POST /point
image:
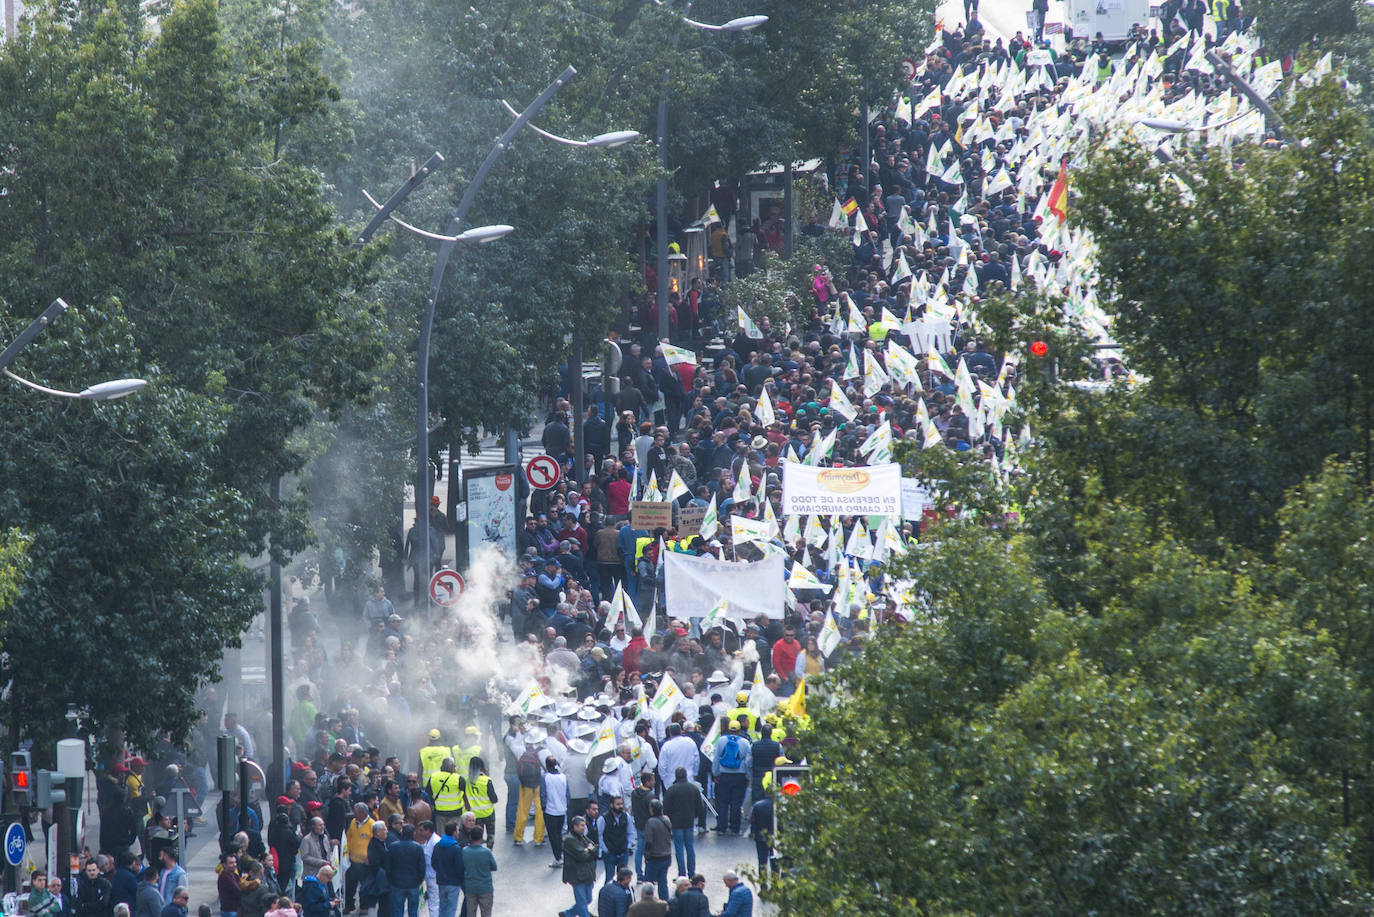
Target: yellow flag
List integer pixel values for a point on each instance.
(796, 704)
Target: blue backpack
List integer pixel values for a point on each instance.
(730, 757)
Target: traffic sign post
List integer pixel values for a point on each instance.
(543, 472)
(446, 587)
(15, 844)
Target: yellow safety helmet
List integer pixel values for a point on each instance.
(742, 697)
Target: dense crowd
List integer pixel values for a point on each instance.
(579, 707)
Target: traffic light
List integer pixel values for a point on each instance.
(21, 780)
(790, 778)
(49, 789)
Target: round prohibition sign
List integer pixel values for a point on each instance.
(543, 472)
(446, 587)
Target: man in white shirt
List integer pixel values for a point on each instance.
(428, 838)
(678, 751)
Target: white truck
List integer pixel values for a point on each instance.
(1113, 18)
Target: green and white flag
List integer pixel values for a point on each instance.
(716, 616)
(666, 699)
(709, 522)
(745, 531)
(746, 325)
(742, 493)
(676, 486)
(770, 518)
(829, 638)
(840, 404)
(859, 545)
(764, 410)
(605, 740)
(791, 531)
(651, 492)
(802, 578)
(815, 532)
(675, 355)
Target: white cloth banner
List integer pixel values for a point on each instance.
(695, 584)
(915, 498)
(929, 334)
(868, 490)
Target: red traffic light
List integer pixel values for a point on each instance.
(21, 780)
(790, 787)
(1039, 348)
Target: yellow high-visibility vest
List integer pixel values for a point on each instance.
(448, 791)
(431, 757)
(479, 799)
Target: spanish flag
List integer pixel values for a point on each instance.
(1059, 195)
(849, 207)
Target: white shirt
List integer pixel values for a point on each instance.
(619, 782)
(555, 794)
(429, 846)
(575, 770)
(675, 753)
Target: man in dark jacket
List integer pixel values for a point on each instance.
(92, 898)
(658, 847)
(405, 871)
(615, 897)
(579, 866)
(765, 752)
(684, 806)
(693, 901)
(315, 898)
(124, 884)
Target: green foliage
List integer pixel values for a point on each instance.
(1287, 25)
(1249, 317)
(1153, 695)
(142, 186)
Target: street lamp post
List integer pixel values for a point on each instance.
(1271, 117)
(488, 234)
(102, 391)
(608, 140)
(740, 24)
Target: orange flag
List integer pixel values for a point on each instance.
(1059, 195)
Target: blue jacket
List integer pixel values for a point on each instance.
(613, 901)
(124, 888)
(740, 903)
(405, 864)
(448, 862)
(314, 898)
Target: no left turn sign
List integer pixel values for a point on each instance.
(445, 588)
(543, 472)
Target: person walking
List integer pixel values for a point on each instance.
(553, 799)
(478, 865)
(684, 805)
(617, 834)
(230, 897)
(658, 847)
(579, 867)
(731, 766)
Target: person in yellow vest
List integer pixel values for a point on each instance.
(431, 756)
(356, 835)
(779, 761)
(482, 799)
(463, 754)
(741, 709)
(448, 791)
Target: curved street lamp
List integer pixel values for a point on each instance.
(102, 391)
(606, 141)
(1170, 126)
